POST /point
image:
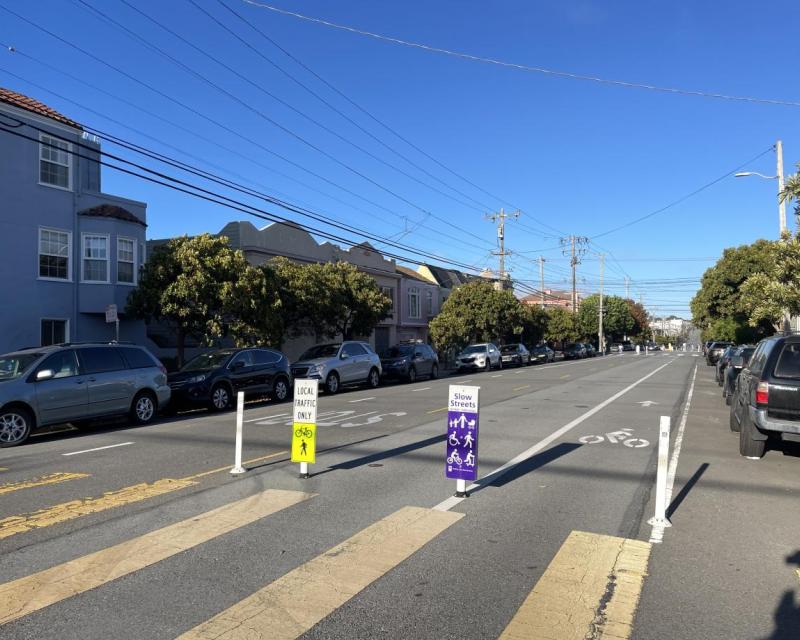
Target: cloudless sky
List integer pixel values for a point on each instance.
(576, 157)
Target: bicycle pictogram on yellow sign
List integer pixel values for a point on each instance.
(304, 442)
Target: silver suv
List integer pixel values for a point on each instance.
(77, 382)
(339, 364)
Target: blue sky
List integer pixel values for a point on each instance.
(576, 157)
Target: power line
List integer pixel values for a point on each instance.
(527, 68)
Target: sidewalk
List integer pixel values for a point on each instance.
(728, 567)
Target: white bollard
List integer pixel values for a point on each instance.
(660, 517)
(461, 487)
(237, 466)
(637, 349)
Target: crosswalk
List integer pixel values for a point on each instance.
(590, 588)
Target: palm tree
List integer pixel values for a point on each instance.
(791, 191)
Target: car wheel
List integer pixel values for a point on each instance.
(332, 383)
(373, 379)
(143, 408)
(412, 375)
(435, 372)
(220, 397)
(727, 399)
(280, 390)
(732, 423)
(748, 446)
(15, 426)
(488, 366)
(499, 364)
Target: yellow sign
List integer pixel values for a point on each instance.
(304, 442)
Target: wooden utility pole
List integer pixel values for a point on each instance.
(501, 253)
(574, 247)
(600, 336)
(541, 277)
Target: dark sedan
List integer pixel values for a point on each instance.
(408, 361)
(213, 379)
(574, 351)
(714, 351)
(543, 353)
(739, 360)
(722, 363)
(516, 354)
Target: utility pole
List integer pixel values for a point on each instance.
(500, 218)
(600, 336)
(574, 247)
(781, 202)
(541, 277)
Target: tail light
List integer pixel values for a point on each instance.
(762, 393)
(163, 369)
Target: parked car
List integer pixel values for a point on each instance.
(766, 401)
(738, 361)
(616, 347)
(543, 353)
(516, 354)
(722, 363)
(653, 346)
(213, 379)
(591, 352)
(340, 364)
(627, 346)
(574, 351)
(714, 351)
(479, 356)
(706, 345)
(77, 383)
(409, 360)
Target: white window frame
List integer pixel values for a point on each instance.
(39, 253)
(66, 327)
(133, 262)
(429, 301)
(413, 292)
(389, 293)
(69, 165)
(107, 259)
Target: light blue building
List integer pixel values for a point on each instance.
(67, 250)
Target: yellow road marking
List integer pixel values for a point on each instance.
(26, 595)
(52, 478)
(589, 590)
(77, 508)
(228, 467)
(109, 500)
(297, 601)
(564, 377)
(3, 468)
(438, 410)
(524, 386)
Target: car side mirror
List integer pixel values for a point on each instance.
(44, 374)
(343, 356)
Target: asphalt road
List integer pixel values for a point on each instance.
(379, 451)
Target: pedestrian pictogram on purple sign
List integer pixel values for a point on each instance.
(462, 434)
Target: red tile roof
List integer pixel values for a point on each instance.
(34, 106)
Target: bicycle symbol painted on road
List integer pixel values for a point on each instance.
(623, 436)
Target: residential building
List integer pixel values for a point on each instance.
(551, 298)
(449, 279)
(68, 249)
(420, 301)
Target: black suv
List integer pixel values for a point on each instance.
(715, 350)
(766, 400)
(212, 379)
(409, 360)
(516, 354)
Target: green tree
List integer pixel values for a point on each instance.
(641, 323)
(768, 294)
(721, 295)
(185, 284)
(791, 191)
(617, 318)
(253, 308)
(331, 299)
(477, 312)
(534, 324)
(561, 325)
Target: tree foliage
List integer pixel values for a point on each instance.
(185, 284)
(791, 191)
(720, 305)
(254, 308)
(767, 294)
(331, 299)
(617, 317)
(641, 323)
(477, 312)
(561, 325)
(534, 324)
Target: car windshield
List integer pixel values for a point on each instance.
(13, 366)
(321, 351)
(206, 361)
(509, 348)
(399, 351)
(475, 348)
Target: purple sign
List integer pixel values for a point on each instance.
(462, 445)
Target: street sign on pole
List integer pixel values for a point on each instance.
(304, 423)
(463, 409)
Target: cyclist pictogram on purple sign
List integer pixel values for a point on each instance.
(462, 445)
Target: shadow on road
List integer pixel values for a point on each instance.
(676, 502)
(389, 453)
(787, 615)
(531, 464)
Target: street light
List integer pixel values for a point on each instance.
(779, 178)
